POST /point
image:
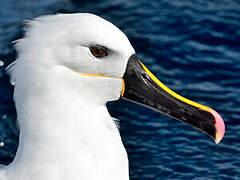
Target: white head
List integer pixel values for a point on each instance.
(63, 43)
(58, 51)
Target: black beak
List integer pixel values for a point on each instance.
(142, 87)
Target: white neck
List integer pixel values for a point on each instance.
(66, 131)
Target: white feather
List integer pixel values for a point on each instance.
(66, 131)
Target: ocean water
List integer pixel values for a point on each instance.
(191, 46)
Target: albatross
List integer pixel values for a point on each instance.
(68, 67)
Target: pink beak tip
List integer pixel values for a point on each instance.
(219, 125)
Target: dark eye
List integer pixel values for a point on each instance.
(98, 52)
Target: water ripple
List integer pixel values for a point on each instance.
(192, 46)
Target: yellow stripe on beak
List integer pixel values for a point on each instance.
(177, 96)
(123, 88)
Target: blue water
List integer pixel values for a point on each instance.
(192, 46)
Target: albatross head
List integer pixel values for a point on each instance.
(92, 56)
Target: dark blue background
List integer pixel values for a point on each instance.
(192, 46)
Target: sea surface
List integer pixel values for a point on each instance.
(191, 46)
